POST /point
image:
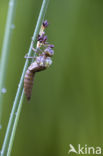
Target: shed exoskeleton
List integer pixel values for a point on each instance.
(41, 63)
(43, 60)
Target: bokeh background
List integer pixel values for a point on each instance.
(67, 99)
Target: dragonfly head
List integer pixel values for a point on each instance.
(49, 52)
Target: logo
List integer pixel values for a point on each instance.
(84, 149)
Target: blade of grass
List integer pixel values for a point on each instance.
(20, 86)
(15, 124)
(5, 50)
(18, 114)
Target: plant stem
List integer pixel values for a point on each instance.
(15, 124)
(5, 50)
(18, 113)
(20, 86)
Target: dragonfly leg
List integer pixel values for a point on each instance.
(31, 57)
(35, 50)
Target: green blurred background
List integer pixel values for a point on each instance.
(67, 99)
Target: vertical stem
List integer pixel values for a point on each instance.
(20, 86)
(5, 50)
(18, 114)
(15, 124)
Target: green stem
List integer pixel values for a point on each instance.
(5, 50)
(15, 124)
(20, 86)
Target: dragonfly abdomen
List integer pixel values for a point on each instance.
(28, 83)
